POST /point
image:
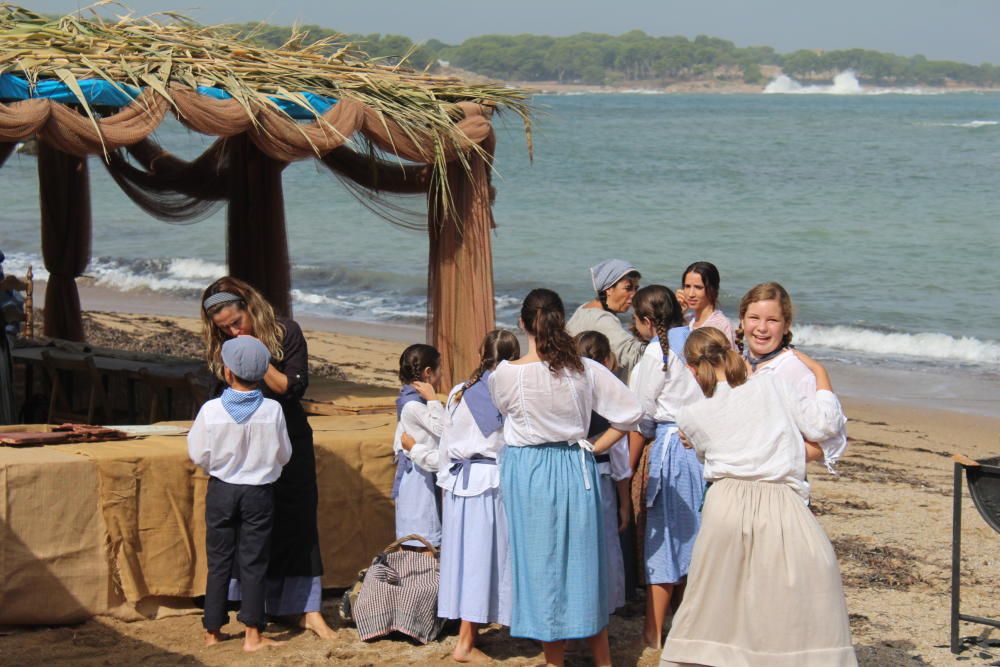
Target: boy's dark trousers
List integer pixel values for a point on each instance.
(238, 518)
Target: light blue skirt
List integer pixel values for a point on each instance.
(674, 496)
(475, 559)
(612, 545)
(286, 596)
(552, 497)
(417, 509)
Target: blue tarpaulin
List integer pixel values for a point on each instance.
(101, 93)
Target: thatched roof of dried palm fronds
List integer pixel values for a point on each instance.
(158, 50)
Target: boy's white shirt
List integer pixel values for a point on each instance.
(251, 453)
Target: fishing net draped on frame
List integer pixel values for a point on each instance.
(95, 87)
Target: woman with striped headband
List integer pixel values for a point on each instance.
(230, 308)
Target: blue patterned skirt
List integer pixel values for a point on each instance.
(552, 496)
(673, 501)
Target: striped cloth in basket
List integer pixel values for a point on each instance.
(400, 594)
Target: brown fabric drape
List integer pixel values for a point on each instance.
(460, 271)
(460, 277)
(257, 247)
(275, 134)
(64, 191)
(168, 188)
(378, 175)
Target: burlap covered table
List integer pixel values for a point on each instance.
(117, 527)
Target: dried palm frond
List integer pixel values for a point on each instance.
(157, 50)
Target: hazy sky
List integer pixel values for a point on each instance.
(965, 30)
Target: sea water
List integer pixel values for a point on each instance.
(880, 213)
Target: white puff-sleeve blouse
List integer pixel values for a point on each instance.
(543, 407)
(462, 439)
(662, 393)
(754, 431)
(791, 369)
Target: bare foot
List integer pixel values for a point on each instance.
(213, 637)
(469, 655)
(313, 620)
(261, 642)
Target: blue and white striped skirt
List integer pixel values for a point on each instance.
(552, 497)
(673, 501)
(612, 545)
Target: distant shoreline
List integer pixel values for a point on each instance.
(698, 86)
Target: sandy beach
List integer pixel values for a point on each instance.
(888, 515)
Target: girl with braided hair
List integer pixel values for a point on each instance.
(674, 485)
(475, 564)
(764, 586)
(549, 481)
(421, 420)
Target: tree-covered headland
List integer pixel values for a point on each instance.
(597, 59)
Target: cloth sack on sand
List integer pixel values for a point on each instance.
(400, 593)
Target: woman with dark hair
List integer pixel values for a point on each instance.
(549, 480)
(699, 292)
(230, 308)
(615, 281)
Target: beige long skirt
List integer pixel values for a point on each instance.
(764, 586)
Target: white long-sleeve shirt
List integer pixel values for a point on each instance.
(542, 407)
(791, 369)
(463, 439)
(754, 431)
(251, 453)
(662, 393)
(424, 423)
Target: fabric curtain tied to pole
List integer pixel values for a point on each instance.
(244, 170)
(64, 190)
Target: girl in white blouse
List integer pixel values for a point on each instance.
(475, 563)
(765, 336)
(421, 418)
(764, 585)
(549, 483)
(674, 487)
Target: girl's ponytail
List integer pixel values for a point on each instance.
(544, 317)
(707, 350)
(498, 345)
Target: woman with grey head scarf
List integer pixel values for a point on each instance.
(615, 282)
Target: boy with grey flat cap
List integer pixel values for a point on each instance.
(241, 441)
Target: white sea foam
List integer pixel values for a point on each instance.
(16, 264)
(930, 346)
(327, 297)
(196, 269)
(845, 83)
(174, 275)
(972, 124)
